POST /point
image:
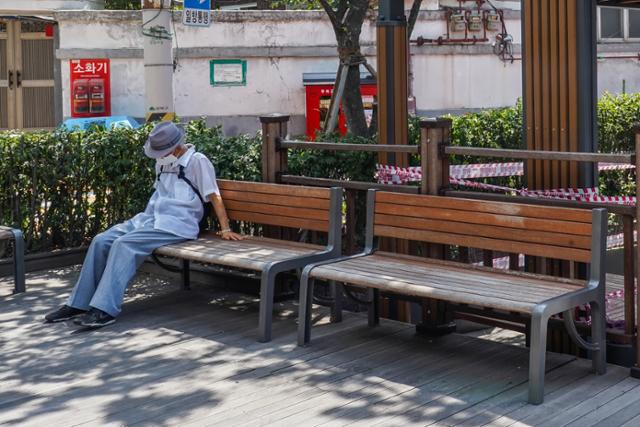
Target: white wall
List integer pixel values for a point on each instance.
(25, 7)
(279, 47)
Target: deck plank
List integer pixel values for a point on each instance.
(191, 359)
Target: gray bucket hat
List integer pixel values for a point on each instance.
(163, 139)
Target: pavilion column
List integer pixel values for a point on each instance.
(560, 89)
(393, 76)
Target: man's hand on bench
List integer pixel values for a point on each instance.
(230, 235)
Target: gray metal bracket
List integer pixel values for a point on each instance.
(573, 332)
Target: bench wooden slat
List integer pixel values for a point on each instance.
(252, 253)
(412, 289)
(261, 208)
(501, 208)
(276, 200)
(411, 263)
(272, 242)
(554, 252)
(473, 282)
(428, 280)
(481, 269)
(282, 221)
(479, 218)
(278, 189)
(513, 234)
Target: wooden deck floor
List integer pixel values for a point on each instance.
(179, 358)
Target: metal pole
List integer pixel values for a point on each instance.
(158, 59)
(587, 88)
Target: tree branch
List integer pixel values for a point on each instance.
(331, 13)
(413, 16)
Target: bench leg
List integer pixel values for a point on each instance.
(18, 262)
(537, 356)
(267, 286)
(336, 307)
(304, 314)
(186, 275)
(374, 307)
(599, 337)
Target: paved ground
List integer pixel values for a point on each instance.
(180, 358)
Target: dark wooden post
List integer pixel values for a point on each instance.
(435, 135)
(431, 141)
(437, 319)
(274, 161)
(635, 371)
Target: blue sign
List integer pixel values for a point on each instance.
(197, 12)
(197, 4)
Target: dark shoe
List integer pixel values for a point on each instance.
(63, 313)
(95, 319)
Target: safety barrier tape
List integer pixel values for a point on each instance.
(479, 170)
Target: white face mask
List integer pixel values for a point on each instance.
(167, 160)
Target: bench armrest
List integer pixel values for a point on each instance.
(301, 261)
(309, 267)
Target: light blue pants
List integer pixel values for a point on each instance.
(111, 262)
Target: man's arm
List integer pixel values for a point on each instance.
(221, 214)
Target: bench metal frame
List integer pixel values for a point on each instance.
(593, 293)
(272, 269)
(18, 259)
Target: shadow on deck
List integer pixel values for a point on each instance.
(191, 358)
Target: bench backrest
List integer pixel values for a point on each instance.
(292, 206)
(555, 233)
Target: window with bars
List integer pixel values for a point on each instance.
(618, 24)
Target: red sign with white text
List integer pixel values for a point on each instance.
(90, 88)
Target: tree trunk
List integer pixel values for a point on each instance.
(352, 104)
(348, 37)
(347, 21)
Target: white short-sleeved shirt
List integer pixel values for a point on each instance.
(174, 207)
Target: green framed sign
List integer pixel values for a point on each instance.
(228, 72)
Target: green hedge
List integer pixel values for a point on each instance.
(122, 4)
(62, 188)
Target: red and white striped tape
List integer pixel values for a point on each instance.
(398, 176)
(486, 170)
(614, 166)
(478, 170)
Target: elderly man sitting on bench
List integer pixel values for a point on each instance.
(185, 180)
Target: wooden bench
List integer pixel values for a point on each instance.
(315, 209)
(15, 235)
(555, 233)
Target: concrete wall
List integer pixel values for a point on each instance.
(26, 7)
(279, 47)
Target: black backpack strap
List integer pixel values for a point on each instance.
(193, 187)
(160, 173)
